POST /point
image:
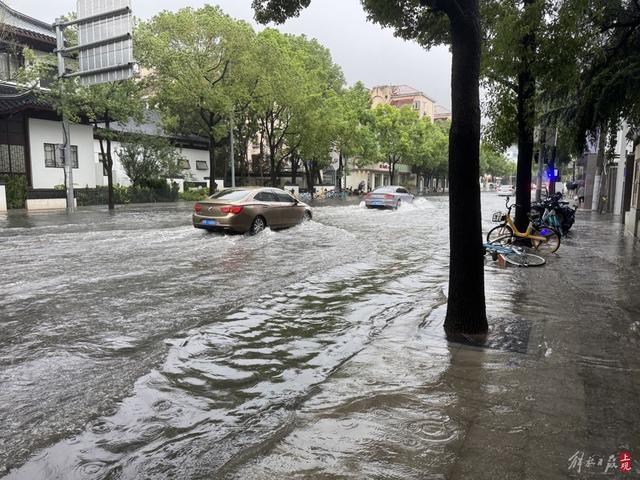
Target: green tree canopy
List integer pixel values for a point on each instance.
(201, 67)
(494, 163)
(397, 133)
(102, 105)
(146, 159)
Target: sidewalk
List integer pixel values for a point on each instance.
(554, 393)
(571, 400)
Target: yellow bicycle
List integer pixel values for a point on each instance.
(542, 237)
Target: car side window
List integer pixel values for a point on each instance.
(401, 190)
(285, 198)
(265, 197)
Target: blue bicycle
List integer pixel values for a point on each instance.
(513, 255)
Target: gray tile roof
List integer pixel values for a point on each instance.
(18, 20)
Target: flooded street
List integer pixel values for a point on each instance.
(135, 346)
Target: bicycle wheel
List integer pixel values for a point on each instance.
(500, 235)
(552, 242)
(524, 259)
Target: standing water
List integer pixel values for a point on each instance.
(135, 346)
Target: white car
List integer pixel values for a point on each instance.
(506, 190)
(388, 197)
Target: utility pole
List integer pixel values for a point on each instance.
(232, 154)
(68, 164)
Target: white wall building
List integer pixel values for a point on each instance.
(44, 136)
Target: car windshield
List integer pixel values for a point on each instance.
(384, 190)
(230, 195)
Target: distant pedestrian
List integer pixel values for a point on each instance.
(581, 196)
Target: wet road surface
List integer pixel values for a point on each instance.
(135, 346)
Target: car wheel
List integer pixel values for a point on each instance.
(258, 225)
(307, 216)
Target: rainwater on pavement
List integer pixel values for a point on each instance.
(134, 346)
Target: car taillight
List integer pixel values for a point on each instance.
(368, 195)
(231, 209)
(197, 207)
(388, 197)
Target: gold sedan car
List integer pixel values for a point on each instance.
(249, 209)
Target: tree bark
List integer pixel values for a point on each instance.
(108, 165)
(108, 158)
(526, 120)
(295, 165)
(598, 181)
(391, 168)
(272, 165)
(466, 311)
(110, 195)
(309, 176)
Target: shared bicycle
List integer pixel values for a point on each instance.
(513, 255)
(542, 237)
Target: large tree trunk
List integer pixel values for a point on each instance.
(526, 120)
(466, 312)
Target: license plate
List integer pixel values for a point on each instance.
(376, 202)
(209, 222)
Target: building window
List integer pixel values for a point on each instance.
(12, 159)
(185, 165)
(202, 165)
(416, 105)
(53, 156)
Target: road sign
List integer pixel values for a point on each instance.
(104, 40)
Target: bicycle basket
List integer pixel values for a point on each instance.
(498, 217)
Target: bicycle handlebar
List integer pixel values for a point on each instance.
(509, 207)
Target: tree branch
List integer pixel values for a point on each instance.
(221, 77)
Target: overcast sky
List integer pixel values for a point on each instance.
(363, 50)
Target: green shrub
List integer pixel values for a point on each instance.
(194, 195)
(16, 189)
(125, 195)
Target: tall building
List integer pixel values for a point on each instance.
(404, 95)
